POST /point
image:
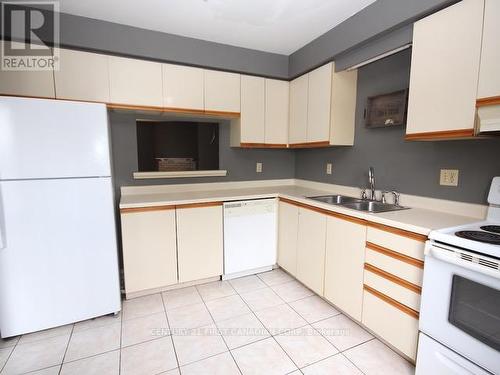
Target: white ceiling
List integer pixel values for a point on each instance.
(280, 26)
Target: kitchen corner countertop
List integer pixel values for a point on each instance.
(417, 220)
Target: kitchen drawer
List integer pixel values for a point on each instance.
(406, 293)
(400, 268)
(401, 243)
(395, 326)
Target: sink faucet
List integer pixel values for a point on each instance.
(371, 181)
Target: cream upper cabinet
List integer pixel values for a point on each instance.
(311, 249)
(318, 104)
(277, 108)
(222, 91)
(489, 77)
(297, 132)
(135, 82)
(343, 107)
(199, 242)
(288, 223)
(27, 83)
(252, 117)
(149, 250)
(444, 72)
(82, 76)
(182, 87)
(345, 254)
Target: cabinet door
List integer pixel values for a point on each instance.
(489, 79)
(311, 249)
(182, 87)
(82, 76)
(343, 108)
(27, 83)
(444, 70)
(297, 131)
(345, 254)
(277, 108)
(318, 104)
(149, 249)
(200, 242)
(135, 82)
(394, 325)
(288, 223)
(252, 119)
(222, 91)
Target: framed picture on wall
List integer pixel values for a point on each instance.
(386, 110)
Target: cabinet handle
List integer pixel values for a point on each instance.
(392, 302)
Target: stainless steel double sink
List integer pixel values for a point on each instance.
(358, 204)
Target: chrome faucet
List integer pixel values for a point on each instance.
(371, 182)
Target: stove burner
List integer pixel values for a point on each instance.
(476, 235)
(491, 228)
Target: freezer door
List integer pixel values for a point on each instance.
(43, 138)
(58, 263)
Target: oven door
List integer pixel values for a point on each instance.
(461, 304)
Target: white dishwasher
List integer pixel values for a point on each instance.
(250, 237)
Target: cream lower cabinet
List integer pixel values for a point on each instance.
(149, 249)
(398, 328)
(392, 287)
(345, 254)
(199, 241)
(288, 224)
(311, 249)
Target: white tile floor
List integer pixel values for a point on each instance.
(264, 324)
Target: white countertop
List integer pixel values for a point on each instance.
(418, 220)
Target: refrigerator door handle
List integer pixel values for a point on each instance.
(3, 244)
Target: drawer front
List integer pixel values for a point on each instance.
(401, 292)
(393, 325)
(399, 243)
(397, 267)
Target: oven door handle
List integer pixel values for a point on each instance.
(449, 257)
(452, 365)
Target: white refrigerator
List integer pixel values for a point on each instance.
(58, 252)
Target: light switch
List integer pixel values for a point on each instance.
(258, 168)
(328, 168)
(448, 177)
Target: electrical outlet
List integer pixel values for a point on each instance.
(448, 177)
(328, 168)
(258, 167)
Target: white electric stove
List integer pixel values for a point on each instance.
(460, 310)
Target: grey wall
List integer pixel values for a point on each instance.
(372, 22)
(240, 163)
(89, 34)
(376, 29)
(409, 167)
